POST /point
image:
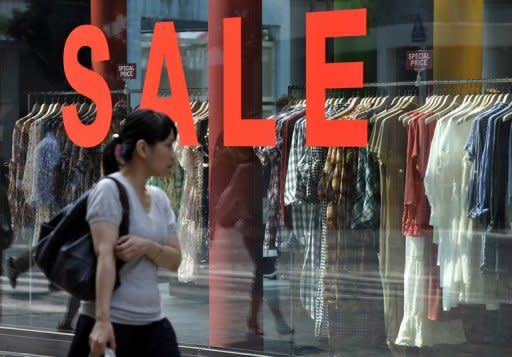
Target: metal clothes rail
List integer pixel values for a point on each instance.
(31, 95)
(439, 82)
(420, 84)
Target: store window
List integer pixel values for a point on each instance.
(400, 247)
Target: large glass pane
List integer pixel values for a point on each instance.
(399, 247)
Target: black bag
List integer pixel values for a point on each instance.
(65, 250)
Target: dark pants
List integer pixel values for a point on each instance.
(156, 339)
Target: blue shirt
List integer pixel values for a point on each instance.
(484, 177)
(474, 148)
(47, 159)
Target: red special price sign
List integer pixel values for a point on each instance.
(127, 71)
(418, 60)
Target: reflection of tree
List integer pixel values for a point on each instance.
(44, 26)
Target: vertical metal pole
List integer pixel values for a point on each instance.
(107, 15)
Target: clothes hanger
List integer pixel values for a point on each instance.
(488, 100)
(479, 105)
(412, 101)
(206, 107)
(350, 108)
(468, 104)
(50, 109)
(382, 104)
(396, 100)
(448, 110)
(505, 99)
(444, 102)
(383, 100)
(54, 110)
(428, 108)
(429, 104)
(469, 108)
(435, 104)
(400, 100)
(35, 109)
(394, 108)
(82, 108)
(502, 108)
(47, 112)
(202, 112)
(507, 116)
(91, 108)
(195, 104)
(42, 110)
(485, 99)
(58, 105)
(366, 107)
(52, 113)
(404, 117)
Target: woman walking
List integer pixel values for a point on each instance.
(129, 320)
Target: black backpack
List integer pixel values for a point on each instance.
(65, 250)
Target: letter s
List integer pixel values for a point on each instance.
(88, 83)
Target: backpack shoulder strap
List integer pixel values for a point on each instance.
(123, 197)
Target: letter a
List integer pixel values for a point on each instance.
(321, 75)
(165, 47)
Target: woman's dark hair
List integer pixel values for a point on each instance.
(141, 124)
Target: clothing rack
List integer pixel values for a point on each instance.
(44, 94)
(418, 87)
(200, 93)
(31, 95)
(417, 83)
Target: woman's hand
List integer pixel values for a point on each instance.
(101, 334)
(130, 247)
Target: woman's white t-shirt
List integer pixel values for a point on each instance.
(137, 300)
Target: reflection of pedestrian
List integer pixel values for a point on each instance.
(269, 263)
(272, 296)
(20, 265)
(234, 210)
(6, 234)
